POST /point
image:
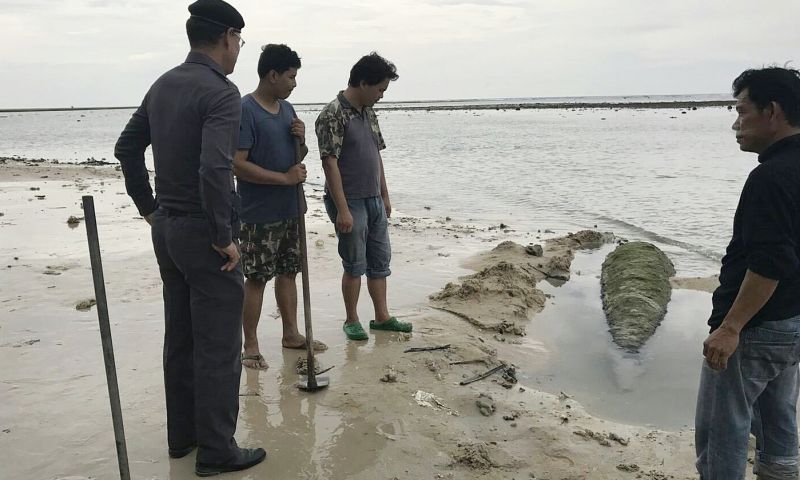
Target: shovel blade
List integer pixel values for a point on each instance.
(318, 384)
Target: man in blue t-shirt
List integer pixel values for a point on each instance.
(267, 183)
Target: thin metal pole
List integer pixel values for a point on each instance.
(301, 223)
(105, 336)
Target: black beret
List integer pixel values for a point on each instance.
(217, 12)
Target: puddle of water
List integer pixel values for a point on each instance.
(305, 438)
(657, 386)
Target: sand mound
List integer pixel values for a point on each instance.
(475, 456)
(590, 238)
(503, 296)
(496, 298)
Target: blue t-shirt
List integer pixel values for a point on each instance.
(271, 145)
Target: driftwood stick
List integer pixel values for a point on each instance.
(467, 362)
(482, 375)
(427, 349)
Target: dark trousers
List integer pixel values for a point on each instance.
(202, 339)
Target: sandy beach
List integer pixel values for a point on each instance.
(388, 413)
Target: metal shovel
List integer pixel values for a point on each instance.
(310, 382)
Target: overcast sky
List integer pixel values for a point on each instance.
(59, 53)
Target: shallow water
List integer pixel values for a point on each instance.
(655, 174)
(582, 360)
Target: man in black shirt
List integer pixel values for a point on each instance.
(190, 116)
(749, 380)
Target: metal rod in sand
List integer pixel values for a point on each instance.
(105, 336)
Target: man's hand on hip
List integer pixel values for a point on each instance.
(231, 252)
(719, 346)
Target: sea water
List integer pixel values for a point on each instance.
(671, 176)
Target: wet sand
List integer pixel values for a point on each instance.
(55, 421)
(700, 284)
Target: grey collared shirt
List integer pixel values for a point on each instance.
(191, 117)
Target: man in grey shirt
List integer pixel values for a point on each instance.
(356, 195)
(190, 116)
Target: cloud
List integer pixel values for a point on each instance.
(443, 48)
(492, 3)
(146, 56)
(90, 32)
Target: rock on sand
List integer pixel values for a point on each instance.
(635, 291)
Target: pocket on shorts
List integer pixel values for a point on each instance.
(330, 208)
(764, 335)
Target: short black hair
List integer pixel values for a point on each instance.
(276, 57)
(772, 84)
(372, 69)
(202, 33)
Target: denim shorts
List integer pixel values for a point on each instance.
(365, 249)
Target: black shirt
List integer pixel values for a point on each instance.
(191, 117)
(766, 235)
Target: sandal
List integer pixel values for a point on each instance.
(318, 346)
(391, 325)
(256, 362)
(354, 331)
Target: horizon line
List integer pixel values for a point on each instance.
(507, 100)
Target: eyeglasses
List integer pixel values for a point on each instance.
(239, 36)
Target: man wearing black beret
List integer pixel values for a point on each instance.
(191, 116)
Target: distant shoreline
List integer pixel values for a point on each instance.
(569, 105)
(404, 106)
(60, 109)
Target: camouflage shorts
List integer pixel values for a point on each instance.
(270, 249)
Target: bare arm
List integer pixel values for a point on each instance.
(754, 293)
(344, 219)
(250, 172)
(385, 191)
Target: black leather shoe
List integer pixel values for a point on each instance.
(181, 452)
(245, 458)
